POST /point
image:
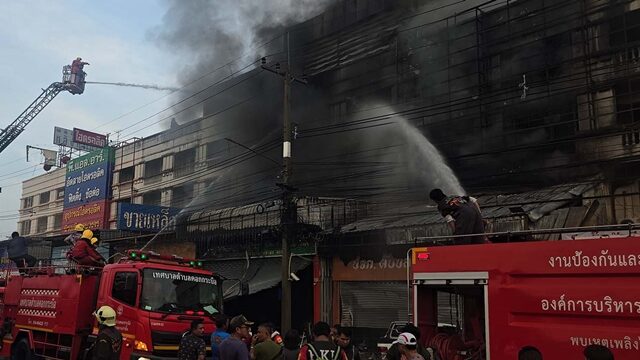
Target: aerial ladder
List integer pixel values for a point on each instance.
(71, 82)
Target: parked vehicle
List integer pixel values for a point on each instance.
(384, 343)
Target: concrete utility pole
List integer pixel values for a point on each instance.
(289, 215)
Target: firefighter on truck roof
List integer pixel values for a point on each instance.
(109, 341)
(84, 254)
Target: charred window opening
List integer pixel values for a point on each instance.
(628, 101)
(184, 162)
(152, 197)
(153, 171)
(182, 195)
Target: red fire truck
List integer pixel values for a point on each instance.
(48, 314)
(491, 301)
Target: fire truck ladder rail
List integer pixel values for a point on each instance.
(11, 132)
(623, 227)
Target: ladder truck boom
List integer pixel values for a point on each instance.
(72, 82)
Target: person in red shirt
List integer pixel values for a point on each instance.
(84, 254)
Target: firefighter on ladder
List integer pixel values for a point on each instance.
(77, 66)
(109, 341)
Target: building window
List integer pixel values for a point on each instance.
(42, 224)
(153, 171)
(125, 287)
(216, 150)
(182, 195)
(60, 194)
(45, 197)
(152, 198)
(125, 200)
(126, 174)
(628, 101)
(57, 222)
(25, 228)
(184, 162)
(27, 202)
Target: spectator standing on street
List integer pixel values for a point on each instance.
(220, 335)
(343, 340)
(233, 348)
(394, 351)
(262, 347)
(192, 347)
(17, 251)
(408, 346)
(597, 352)
(321, 348)
(291, 348)
(463, 216)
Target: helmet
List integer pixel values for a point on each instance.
(79, 228)
(94, 240)
(106, 316)
(87, 234)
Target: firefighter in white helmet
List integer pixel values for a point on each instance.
(109, 341)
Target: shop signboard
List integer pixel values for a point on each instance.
(138, 217)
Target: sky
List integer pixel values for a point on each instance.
(116, 37)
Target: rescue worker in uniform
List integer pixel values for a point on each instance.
(84, 254)
(109, 341)
(74, 236)
(463, 216)
(77, 66)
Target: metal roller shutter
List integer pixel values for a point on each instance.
(372, 304)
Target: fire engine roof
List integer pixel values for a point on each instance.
(548, 207)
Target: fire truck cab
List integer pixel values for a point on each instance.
(49, 314)
(492, 301)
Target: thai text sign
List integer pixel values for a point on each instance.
(64, 137)
(89, 138)
(144, 217)
(92, 215)
(88, 178)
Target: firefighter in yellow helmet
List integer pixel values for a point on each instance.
(109, 341)
(84, 254)
(75, 235)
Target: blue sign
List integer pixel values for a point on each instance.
(140, 217)
(87, 185)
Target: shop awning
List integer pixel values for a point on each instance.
(260, 274)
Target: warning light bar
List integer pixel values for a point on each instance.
(151, 255)
(419, 254)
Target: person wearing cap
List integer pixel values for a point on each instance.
(322, 347)
(394, 351)
(233, 348)
(408, 346)
(192, 346)
(84, 254)
(108, 343)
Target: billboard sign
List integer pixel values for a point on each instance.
(87, 189)
(64, 137)
(140, 217)
(89, 138)
(88, 178)
(92, 215)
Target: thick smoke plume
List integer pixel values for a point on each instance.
(210, 34)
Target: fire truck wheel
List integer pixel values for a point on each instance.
(21, 351)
